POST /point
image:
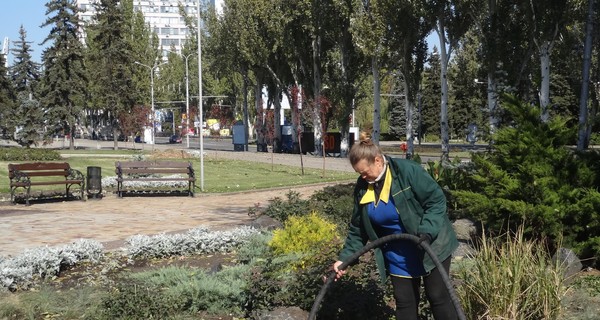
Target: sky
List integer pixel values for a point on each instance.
(29, 13)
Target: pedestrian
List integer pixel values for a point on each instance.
(398, 196)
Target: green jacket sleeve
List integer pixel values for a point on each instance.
(356, 237)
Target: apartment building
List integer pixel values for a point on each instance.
(161, 15)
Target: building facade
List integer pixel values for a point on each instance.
(161, 15)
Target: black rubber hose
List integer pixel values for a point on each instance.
(377, 243)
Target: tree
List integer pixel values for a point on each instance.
(466, 98)
(452, 21)
(548, 18)
(368, 27)
(430, 124)
(406, 43)
(7, 100)
(134, 121)
(64, 81)
(110, 63)
(29, 118)
(345, 69)
(583, 132)
(144, 48)
(236, 39)
(24, 71)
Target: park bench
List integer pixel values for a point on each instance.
(154, 171)
(26, 175)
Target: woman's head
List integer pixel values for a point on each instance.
(367, 158)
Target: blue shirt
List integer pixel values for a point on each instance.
(402, 257)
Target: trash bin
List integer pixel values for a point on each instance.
(94, 183)
(239, 136)
(287, 141)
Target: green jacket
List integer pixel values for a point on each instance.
(421, 205)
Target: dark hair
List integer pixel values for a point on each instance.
(364, 149)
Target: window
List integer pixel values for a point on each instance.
(169, 42)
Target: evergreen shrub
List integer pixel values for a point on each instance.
(303, 235)
(334, 203)
(28, 154)
(281, 209)
(533, 179)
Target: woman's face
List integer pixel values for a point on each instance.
(369, 171)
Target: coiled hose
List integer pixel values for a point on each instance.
(377, 243)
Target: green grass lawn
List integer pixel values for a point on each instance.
(220, 175)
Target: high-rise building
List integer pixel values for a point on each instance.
(161, 15)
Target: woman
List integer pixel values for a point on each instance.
(398, 196)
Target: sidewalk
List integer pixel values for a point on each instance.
(112, 220)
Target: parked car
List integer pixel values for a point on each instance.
(175, 139)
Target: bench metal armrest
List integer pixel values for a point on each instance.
(21, 177)
(75, 174)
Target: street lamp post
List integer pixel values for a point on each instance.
(200, 111)
(152, 69)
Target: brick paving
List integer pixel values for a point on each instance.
(112, 220)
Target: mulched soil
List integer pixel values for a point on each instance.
(115, 267)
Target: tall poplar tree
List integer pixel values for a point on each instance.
(110, 63)
(369, 28)
(64, 81)
(452, 21)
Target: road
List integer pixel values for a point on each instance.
(222, 144)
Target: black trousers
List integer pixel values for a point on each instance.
(407, 295)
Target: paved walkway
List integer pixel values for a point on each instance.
(112, 220)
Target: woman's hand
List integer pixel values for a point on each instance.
(338, 273)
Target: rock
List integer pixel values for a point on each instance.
(287, 313)
(464, 250)
(266, 222)
(568, 262)
(465, 229)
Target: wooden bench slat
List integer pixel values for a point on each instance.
(46, 173)
(152, 164)
(156, 179)
(39, 166)
(153, 171)
(44, 183)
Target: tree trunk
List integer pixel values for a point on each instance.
(245, 111)
(492, 100)
(545, 49)
(116, 137)
(71, 138)
(376, 101)
(444, 85)
(582, 135)
(261, 139)
(409, 119)
(277, 119)
(317, 121)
